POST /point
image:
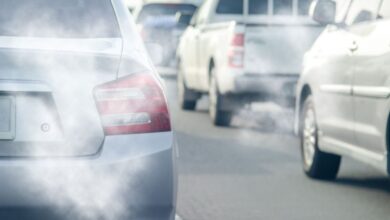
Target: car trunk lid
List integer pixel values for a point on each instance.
(46, 94)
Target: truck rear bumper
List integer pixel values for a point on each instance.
(278, 85)
(248, 88)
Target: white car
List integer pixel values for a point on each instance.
(343, 94)
(85, 130)
(243, 51)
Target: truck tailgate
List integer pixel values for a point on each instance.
(277, 49)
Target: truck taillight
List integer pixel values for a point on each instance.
(133, 104)
(238, 40)
(236, 51)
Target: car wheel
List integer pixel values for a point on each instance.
(218, 116)
(316, 164)
(187, 98)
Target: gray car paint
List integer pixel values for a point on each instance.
(348, 75)
(141, 166)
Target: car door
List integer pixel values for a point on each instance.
(330, 61)
(333, 78)
(371, 77)
(338, 119)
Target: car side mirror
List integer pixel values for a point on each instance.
(323, 11)
(183, 19)
(156, 52)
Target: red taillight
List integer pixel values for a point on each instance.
(238, 40)
(236, 51)
(134, 104)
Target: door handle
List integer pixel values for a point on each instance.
(354, 46)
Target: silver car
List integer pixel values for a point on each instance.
(85, 130)
(343, 95)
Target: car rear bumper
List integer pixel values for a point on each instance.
(133, 177)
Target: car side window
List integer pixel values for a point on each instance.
(362, 11)
(384, 12)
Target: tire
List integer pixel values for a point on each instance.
(218, 116)
(316, 164)
(187, 97)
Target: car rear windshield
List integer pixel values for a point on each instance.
(58, 19)
(283, 7)
(230, 7)
(258, 7)
(155, 10)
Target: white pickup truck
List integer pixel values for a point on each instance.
(243, 51)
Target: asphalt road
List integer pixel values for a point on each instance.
(251, 171)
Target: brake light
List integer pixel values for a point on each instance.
(236, 52)
(238, 40)
(133, 104)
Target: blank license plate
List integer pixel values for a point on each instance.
(7, 118)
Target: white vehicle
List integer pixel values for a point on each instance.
(243, 51)
(343, 93)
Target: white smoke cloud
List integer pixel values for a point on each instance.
(85, 191)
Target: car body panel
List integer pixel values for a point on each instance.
(141, 169)
(56, 67)
(371, 86)
(334, 86)
(353, 121)
(121, 176)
